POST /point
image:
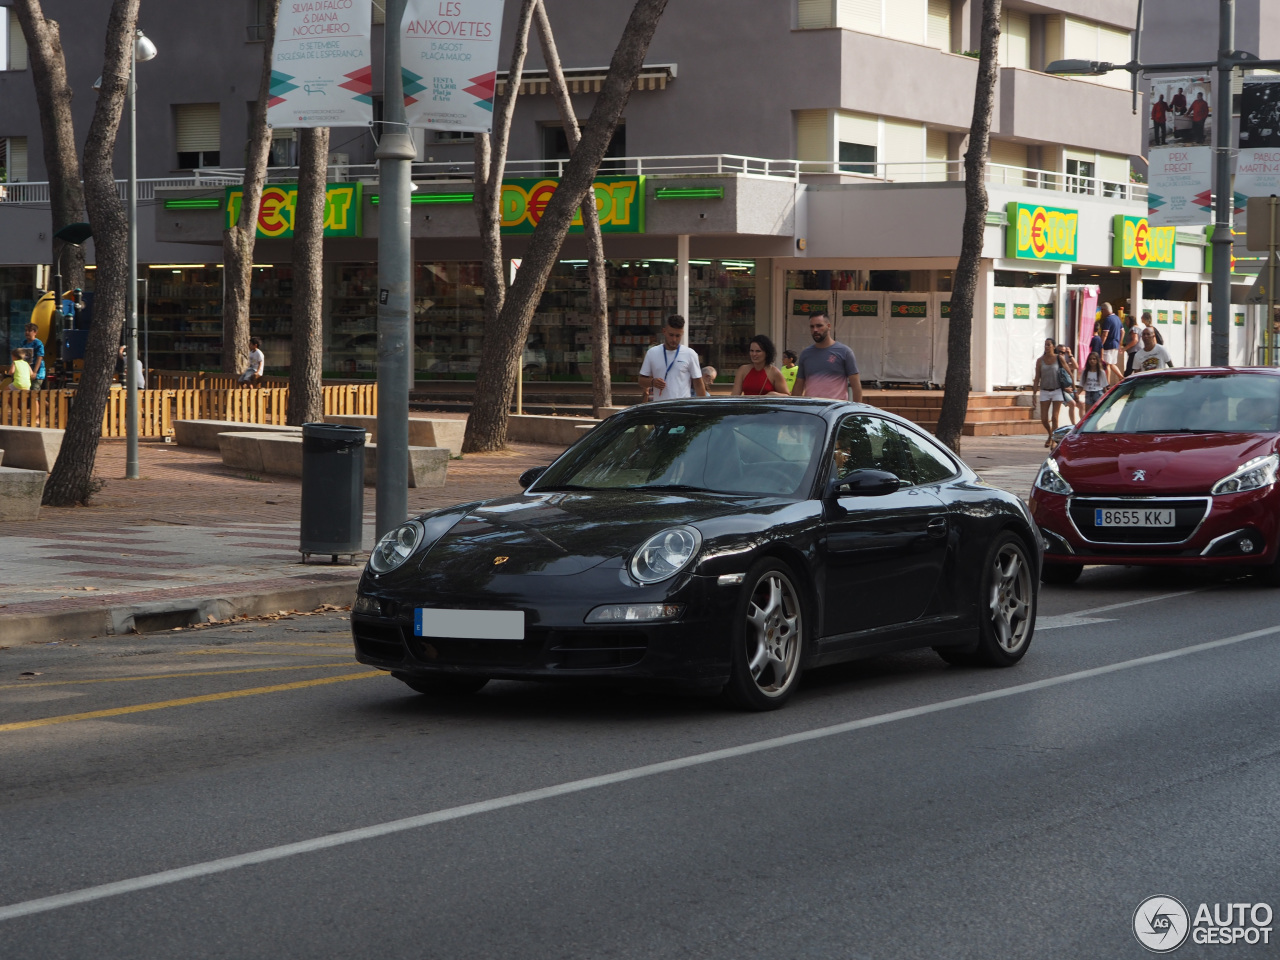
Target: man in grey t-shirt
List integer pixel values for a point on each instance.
(828, 368)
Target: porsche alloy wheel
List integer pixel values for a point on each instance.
(1007, 604)
(769, 639)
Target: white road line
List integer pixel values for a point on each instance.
(1068, 620)
(101, 892)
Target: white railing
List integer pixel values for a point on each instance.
(723, 164)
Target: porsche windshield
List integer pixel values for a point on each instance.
(752, 453)
(1211, 403)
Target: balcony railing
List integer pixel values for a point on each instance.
(708, 165)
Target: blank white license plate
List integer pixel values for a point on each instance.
(469, 624)
(1133, 518)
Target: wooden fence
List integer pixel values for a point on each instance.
(157, 409)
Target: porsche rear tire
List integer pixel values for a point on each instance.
(443, 685)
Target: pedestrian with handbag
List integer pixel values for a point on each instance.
(1053, 379)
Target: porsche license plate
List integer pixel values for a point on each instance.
(469, 624)
(1133, 518)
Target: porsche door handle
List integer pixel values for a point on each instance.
(937, 527)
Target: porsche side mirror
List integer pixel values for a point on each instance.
(530, 475)
(865, 483)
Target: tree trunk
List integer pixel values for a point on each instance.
(238, 241)
(71, 480)
(504, 341)
(598, 302)
(57, 130)
(955, 398)
(491, 166)
(306, 400)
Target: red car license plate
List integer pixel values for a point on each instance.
(1133, 518)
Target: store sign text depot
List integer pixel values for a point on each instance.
(343, 209)
(619, 200)
(1041, 233)
(1138, 244)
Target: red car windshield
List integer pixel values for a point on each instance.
(1208, 403)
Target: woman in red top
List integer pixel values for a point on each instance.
(760, 377)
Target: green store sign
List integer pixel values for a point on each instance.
(809, 308)
(343, 209)
(620, 201)
(1138, 244)
(1041, 233)
(860, 308)
(908, 308)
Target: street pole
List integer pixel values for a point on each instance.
(131, 309)
(395, 156)
(1223, 241)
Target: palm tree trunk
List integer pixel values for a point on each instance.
(71, 480)
(306, 399)
(955, 398)
(238, 240)
(598, 302)
(57, 129)
(504, 341)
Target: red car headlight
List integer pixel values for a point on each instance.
(1251, 475)
(1051, 481)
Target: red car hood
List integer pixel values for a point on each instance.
(1170, 463)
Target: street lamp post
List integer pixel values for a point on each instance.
(143, 50)
(1228, 59)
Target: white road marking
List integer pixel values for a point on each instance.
(208, 868)
(1068, 620)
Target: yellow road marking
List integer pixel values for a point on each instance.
(171, 676)
(298, 643)
(254, 653)
(183, 702)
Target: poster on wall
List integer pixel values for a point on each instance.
(450, 63)
(322, 69)
(1180, 186)
(1258, 162)
(1181, 111)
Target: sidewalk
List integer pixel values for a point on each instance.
(193, 539)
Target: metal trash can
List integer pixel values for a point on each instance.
(332, 490)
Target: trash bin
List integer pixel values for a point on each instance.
(332, 489)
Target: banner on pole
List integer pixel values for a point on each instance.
(1180, 186)
(1258, 162)
(449, 51)
(322, 68)
(1181, 111)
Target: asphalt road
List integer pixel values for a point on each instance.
(911, 810)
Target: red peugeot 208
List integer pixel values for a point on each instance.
(1175, 467)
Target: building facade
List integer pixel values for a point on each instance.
(811, 154)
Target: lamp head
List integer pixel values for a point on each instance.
(1079, 68)
(143, 48)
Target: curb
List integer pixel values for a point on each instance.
(125, 618)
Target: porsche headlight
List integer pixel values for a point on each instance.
(1251, 475)
(665, 554)
(1050, 480)
(396, 547)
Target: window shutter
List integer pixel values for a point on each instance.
(813, 139)
(813, 14)
(860, 15)
(907, 20)
(17, 160)
(199, 127)
(17, 43)
(940, 24)
(1008, 154)
(1015, 39)
(935, 150)
(379, 11)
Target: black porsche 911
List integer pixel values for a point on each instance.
(723, 544)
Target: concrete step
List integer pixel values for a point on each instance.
(1003, 428)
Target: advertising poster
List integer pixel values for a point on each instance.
(450, 51)
(1180, 186)
(1258, 162)
(1181, 111)
(322, 70)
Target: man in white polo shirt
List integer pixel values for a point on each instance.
(671, 370)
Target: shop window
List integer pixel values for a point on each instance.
(857, 158)
(198, 134)
(13, 159)
(555, 146)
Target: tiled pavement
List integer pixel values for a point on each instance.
(194, 535)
